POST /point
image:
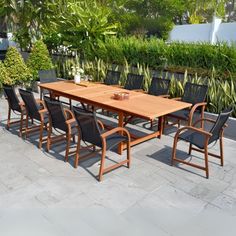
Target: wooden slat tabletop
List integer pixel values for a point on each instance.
(138, 104)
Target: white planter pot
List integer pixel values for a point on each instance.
(77, 79)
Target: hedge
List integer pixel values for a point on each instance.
(155, 53)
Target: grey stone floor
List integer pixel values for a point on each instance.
(40, 194)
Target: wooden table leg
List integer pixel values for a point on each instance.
(120, 124)
(160, 125)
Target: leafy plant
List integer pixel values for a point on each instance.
(39, 59)
(4, 76)
(16, 67)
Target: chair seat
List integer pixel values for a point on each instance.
(182, 114)
(193, 137)
(113, 140)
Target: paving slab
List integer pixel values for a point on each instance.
(44, 195)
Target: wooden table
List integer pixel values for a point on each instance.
(139, 104)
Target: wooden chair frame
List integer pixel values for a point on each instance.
(207, 136)
(67, 136)
(20, 121)
(39, 127)
(104, 170)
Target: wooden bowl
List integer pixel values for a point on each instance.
(121, 96)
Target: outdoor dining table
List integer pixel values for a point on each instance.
(139, 104)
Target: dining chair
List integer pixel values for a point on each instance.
(134, 82)
(61, 120)
(159, 87)
(92, 131)
(46, 76)
(112, 77)
(199, 139)
(36, 111)
(49, 76)
(196, 95)
(14, 105)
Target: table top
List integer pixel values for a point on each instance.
(101, 95)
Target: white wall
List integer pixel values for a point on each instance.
(212, 33)
(227, 32)
(190, 33)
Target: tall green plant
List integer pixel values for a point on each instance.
(4, 76)
(16, 67)
(39, 59)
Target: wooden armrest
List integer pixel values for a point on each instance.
(41, 102)
(101, 124)
(69, 114)
(116, 130)
(21, 104)
(208, 120)
(70, 121)
(207, 134)
(193, 109)
(138, 90)
(43, 111)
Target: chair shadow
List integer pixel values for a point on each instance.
(165, 155)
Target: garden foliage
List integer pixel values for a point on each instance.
(39, 59)
(199, 58)
(4, 76)
(16, 67)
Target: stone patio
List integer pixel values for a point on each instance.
(40, 194)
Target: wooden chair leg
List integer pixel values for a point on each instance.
(77, 154)
(26, 125)
(190, 149)
(174, 150)
(206, 161)
(151, 124)
(8, 119)
(41, 135)
(221, 151)
(128, 154)
(102, 164)
(70, 103)
(68, 137)
(21, 123)
(49, 138)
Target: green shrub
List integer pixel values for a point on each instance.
(16, 67)
(199, 58)
(4, 76)
(39, 59)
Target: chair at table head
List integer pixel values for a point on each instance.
(46, 76)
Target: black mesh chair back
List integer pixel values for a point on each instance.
(159, 86)
(219, 124)
(13, 100)
(47, 76)
(88, 125)
(134, 81)
(112, 77)
(56, 113)
(31, 106)
(194, 93)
